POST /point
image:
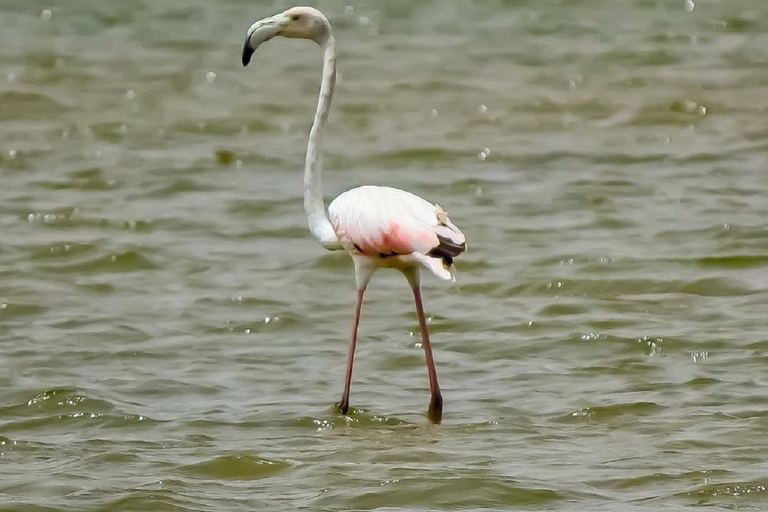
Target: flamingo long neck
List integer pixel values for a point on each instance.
(314, 206)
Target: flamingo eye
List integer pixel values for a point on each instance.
(296, 17)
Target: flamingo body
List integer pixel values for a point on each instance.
(393, 228)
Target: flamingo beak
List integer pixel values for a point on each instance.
(261, 32)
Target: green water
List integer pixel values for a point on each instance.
(171, 338)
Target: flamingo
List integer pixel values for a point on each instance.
(379, 227)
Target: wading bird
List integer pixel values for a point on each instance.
(380, 227)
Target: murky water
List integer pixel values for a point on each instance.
(171, 338)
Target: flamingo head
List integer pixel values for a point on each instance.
(296, 22)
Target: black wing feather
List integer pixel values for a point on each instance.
(447, 249)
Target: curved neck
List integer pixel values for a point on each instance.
(314, 206)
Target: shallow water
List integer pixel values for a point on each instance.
(173, 339)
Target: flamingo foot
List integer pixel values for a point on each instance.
(344, 406)
(435, 411)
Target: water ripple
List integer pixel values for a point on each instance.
(173, 339)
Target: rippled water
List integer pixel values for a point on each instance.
(173, 339)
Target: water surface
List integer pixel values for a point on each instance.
(171, 337)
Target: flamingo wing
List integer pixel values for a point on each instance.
(384, 222)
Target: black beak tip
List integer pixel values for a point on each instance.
(247, 52)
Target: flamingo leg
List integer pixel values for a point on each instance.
(435, 411)
(344, 404)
